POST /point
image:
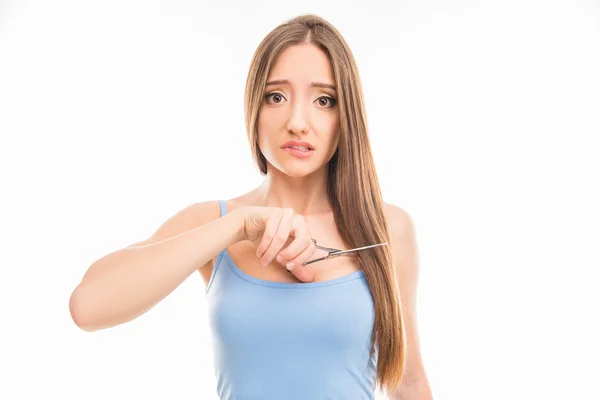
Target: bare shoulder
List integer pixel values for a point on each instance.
(403, 242)
(183, 220)
(399, 219)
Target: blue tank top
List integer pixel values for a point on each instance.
(293, 341)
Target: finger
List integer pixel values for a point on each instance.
(296, 247)
(303, 273)
(305, 254)
(301, 241)
(269, 232)
(281, 236)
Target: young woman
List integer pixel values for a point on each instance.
(333, 329)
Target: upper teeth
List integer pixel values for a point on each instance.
(300, 148)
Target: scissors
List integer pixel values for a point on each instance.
(336, 252)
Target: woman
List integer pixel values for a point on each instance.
(336, 328)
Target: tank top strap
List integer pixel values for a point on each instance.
(223, 207)
(219, 258)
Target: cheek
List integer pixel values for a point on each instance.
(334, 134)
(266, 126)
(266, 117)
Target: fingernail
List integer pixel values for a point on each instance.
(264, 262)
(279, 258)
(290, 266)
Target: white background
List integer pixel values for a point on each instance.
(483, 119)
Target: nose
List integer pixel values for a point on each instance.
(298, 122)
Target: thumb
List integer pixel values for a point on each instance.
(302, 273)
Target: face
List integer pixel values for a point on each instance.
(299, 110)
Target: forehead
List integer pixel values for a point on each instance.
(301, 64)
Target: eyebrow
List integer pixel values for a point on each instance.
(314, 84)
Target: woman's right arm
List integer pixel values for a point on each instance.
(126, 283)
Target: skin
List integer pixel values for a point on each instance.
(112, 292)
(298, 111)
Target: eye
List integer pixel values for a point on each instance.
(324, 99)
(275, 95)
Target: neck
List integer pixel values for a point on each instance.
(305, 195)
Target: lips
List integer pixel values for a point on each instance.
(299, 152)
(298, 145)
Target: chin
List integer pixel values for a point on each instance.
(297, 172)
(297, 175)
(293, 170)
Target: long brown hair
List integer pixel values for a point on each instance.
(352, 186)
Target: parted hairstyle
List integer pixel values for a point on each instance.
(352, 185)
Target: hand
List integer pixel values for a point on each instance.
(280, 234)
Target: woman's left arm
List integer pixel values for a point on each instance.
(415, 385)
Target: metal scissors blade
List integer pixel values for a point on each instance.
(337, 252)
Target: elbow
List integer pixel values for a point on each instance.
(79, 314)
